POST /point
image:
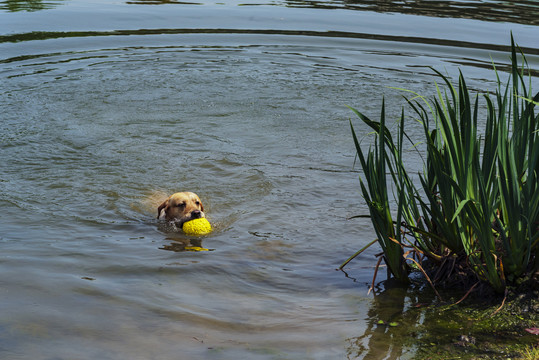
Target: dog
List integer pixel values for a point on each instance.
(181, 207)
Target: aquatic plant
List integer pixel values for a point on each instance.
(476, 202)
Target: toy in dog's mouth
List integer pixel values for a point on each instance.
(197, 227)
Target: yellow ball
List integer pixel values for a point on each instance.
(197, 227)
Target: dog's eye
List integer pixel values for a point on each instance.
(181, 205)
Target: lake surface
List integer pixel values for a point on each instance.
(108, 107)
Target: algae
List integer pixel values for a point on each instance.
(477, 328)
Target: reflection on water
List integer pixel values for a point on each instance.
(524, 12)
(177, 241)
(521, 12)
(28, 5)
(161, 2)
(180, 244)
(386, 323)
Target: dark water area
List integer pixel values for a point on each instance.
(519, 12)
(106, 108)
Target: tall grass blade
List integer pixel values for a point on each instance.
(477, 196)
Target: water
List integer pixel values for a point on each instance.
(107, 108)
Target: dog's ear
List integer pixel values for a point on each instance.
(201, 207)
(163, 205)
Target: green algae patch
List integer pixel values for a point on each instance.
(479, 328)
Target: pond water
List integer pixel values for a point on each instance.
(108, 107)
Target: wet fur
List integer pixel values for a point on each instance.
(181, 207)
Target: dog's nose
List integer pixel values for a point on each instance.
(195, 214)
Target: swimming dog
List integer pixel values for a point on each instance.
(181, 207)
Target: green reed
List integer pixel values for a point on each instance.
(376, 194)
(477, 195)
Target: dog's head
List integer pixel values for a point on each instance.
(181, 207)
